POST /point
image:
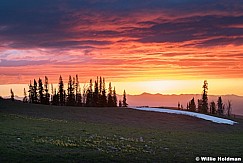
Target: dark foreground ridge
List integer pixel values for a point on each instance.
(89, 134)
(110, 115)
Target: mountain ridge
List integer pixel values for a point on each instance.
(172, 100)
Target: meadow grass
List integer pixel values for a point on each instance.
(25, 138)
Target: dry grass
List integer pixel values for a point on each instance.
(58, 134)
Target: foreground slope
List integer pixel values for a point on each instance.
(49, 133)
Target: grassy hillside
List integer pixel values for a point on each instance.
(37, 133)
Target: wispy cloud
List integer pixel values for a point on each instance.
(121, 39)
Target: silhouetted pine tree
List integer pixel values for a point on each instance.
(47, 95)
(100, 92)
(179, 105)
(64, 97)
(220, 106)
(76, 87)
(25, 99)
(74, 93)
(84, 95)
(100, 86)
(229, 108)
(109, 96)
(70, 94)
(199, 105)
(55, 99)
(31, 94)
(79, 98)
(223, 109)
(103, 95)
(11, 95)
(212, 107)
(35, 94)
(205, 98)
(114, 98)
(120, 103)
(124, 101)
(192, 105)
(89, 99)
(96, 94)
(61, 91)
(52, 94)
(78, 92)
(40, 92)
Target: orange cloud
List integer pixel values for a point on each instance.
(146, 43)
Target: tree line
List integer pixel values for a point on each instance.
(209, 108)
(93, 95)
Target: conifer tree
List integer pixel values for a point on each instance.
(47, 94)
(220, 106)
(79, 98)
(31, 93)
(100, 86)
(40, 92)
(76, 87)
(74, 91)
(100, 92)
(212, 107)
(96, 94)
(11, 95)
(70, 94)
(109, 96)
(205, 97)
(192, 105)
(64, 97)
(229, 108)
(89, 99)
(25, 99)
(120, 103)
(35, 94)
(124, 101)
(84, 95)
(55, 99)
(114, 98)
(78, 92)
(52, 94)
(61, 91)
(199, 105)
(91, 85)
(103, 95)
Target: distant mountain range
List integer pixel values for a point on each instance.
(147, 99)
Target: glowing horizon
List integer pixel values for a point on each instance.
(167, 87)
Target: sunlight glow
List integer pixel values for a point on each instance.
(216, 87)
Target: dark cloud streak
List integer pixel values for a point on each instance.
(59, 23)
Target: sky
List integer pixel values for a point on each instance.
(155, 46)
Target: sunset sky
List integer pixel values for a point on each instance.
(154, 46)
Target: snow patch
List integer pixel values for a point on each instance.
(193, 114)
